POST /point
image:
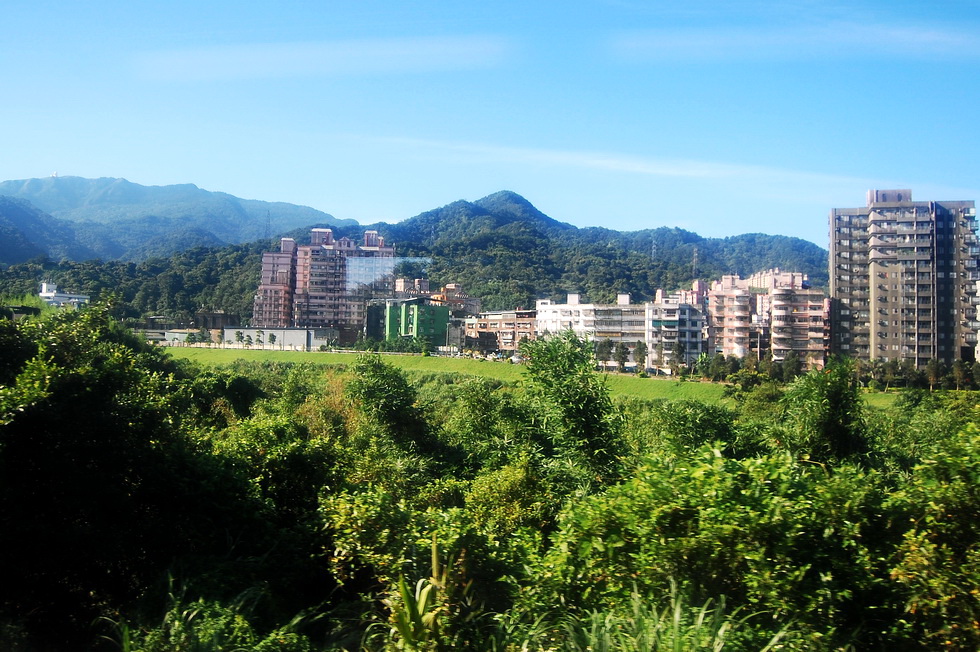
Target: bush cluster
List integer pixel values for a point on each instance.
(153, 505)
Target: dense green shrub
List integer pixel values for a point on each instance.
(303, 507)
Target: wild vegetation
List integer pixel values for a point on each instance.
(150, 504)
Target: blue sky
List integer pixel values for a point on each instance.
(718, 117)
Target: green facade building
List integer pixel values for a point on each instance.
(415, 318)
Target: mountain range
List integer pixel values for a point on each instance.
(189, 247)
(115, 219)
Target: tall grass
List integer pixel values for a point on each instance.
(676, 627)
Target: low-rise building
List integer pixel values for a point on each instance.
(53, 297)
(417, 318)
(670, 327)
(281, 339)
(501, 331)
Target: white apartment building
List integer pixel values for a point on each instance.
(661, 324)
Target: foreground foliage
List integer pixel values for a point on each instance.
(148, 504)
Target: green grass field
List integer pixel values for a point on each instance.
(881, 400)
(621, 385)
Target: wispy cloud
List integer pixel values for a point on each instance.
(833, 40)
(616, 162)
(331, 58)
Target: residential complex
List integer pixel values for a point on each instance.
(671, 327)
(904, 283)
(53, 297)
(770, 312)
(501, 331)
(325, 284)
(903, 279)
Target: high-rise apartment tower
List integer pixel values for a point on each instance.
(325, 284)
(903, 279)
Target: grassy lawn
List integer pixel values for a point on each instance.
(880, 399)
(619, 384)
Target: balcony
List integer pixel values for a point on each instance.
(877, 255)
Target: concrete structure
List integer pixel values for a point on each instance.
(675, 323)
(53, 297)
(731, 327)
(325, 284)
(451, 294)
(286, 339)
(411, 318)
(273, 307)
(662, 325)
(501, 331)
(770, 312)
(903, 279)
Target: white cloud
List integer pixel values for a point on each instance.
(333, 58)
(837, 40)
(615, 162)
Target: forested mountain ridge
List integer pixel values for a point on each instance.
(116, 219)
(501, 248)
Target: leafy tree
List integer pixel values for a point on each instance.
(380, 389)
(572, 402)
(826, 412)
(640, 353)
(937, 562)
(604, 349)
(102, 487)
(718, 368)
(961, 374)
(792, 366)
(622, 356)
(934, 372)
(734, 364)
(768, 533)
(677, 352)
(272, 339)
(703, 365)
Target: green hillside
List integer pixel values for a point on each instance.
(117, 219)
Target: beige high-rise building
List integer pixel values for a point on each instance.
(903, 279)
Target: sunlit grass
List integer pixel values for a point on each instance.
(619, 384)
(880, 399)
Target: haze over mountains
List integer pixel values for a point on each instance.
(114, 219)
